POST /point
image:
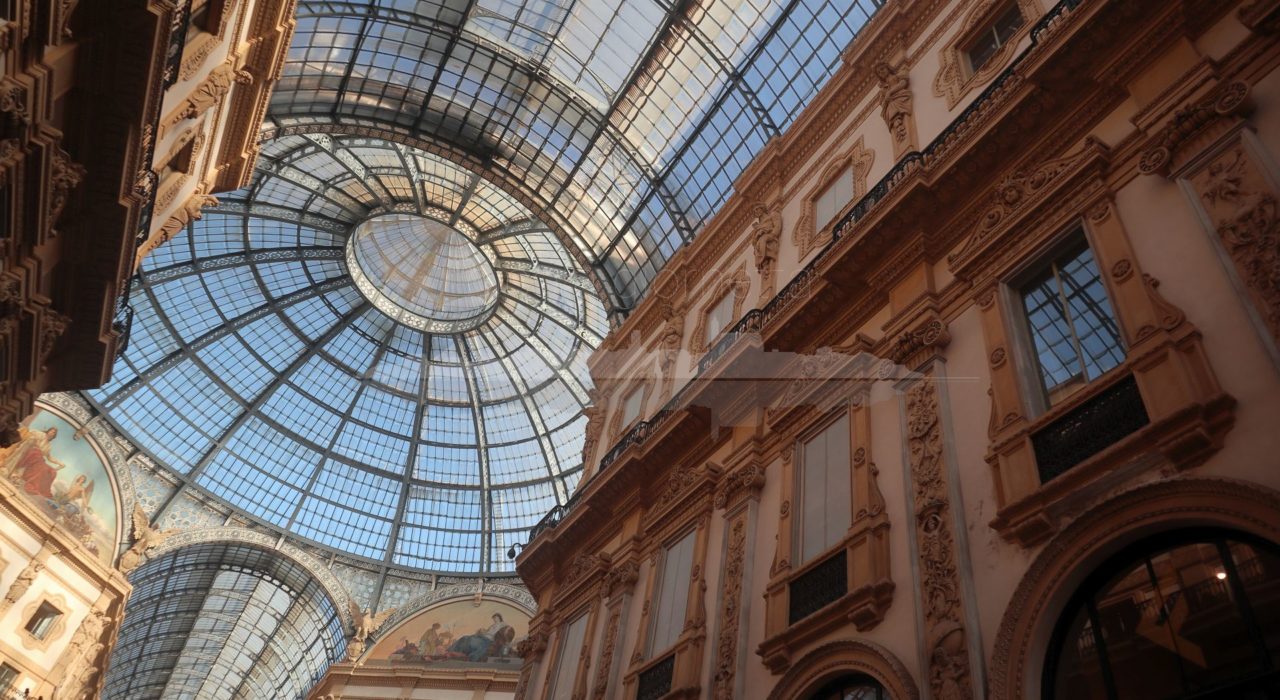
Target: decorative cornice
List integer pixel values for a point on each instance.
(1163, 147)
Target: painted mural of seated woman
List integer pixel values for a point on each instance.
(485, 643)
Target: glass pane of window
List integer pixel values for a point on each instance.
(1091, 316)
(673, 596)
(1079, 671)
(833, 199)
(42, 621)
(826, 490)
(998, 34)
(719, 318)
(8, 677)
(1259, 575)
(567, 666)
(1071, 324)
(631, 406)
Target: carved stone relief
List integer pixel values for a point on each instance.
(1242, 207)
(948, 653)
(726, 662)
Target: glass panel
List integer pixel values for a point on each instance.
(834, 198)
(1079, 670)
(1259, 575)
(631, 407)
(826, 490)
(567, 665)
(673, 596)
(1071, 323)
(41, 622)
(719, 318)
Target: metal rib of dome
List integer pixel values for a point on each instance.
(621, 123)
(259, 373)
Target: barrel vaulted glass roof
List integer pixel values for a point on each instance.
(621, 123)
(259, 371)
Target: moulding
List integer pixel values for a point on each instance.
(841, 657)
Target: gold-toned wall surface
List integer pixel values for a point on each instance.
(1141, 135)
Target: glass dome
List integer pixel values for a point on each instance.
(422, 272)
(371, 348)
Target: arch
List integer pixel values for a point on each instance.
(224, 616)
(848, 656)
(1060, 568)
(460, 610)
(238, 535)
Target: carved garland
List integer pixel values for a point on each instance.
(807, 236)
(730, 608)
(939, 580)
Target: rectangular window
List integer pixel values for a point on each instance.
(833, 199)
(996, 35)
(8, 677)
(719, 317)
(826, 490)
(567, 665)
(631, 406)
(673, 594)
(1071, 323)
(42, 621)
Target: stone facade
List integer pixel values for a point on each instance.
(903, 315)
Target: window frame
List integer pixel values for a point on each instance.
(690, 533)
(1036, 396)
(820, 427)
(987, 28)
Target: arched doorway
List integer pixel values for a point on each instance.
(1106, 533)
(851, 687)
(1191, 613)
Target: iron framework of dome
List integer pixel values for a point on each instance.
(427, 432)
(574, 144)
(620, 123)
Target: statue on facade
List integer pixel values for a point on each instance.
(145, 538)
(895, 103)
(766, 232)
(364, 623)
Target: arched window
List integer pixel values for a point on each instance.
(851, 687)
(1187, 614)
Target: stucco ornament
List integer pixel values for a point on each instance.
(364, 624)
(766, 233)
(145, 538)
(896, 104)
(939, 585)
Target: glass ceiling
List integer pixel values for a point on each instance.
(621, 123)
(259, 372)
(381, 344)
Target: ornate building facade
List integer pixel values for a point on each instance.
(107, 147)
(967, 392)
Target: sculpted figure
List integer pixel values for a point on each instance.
(766, 231)
(145, 538)
(895, 100)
